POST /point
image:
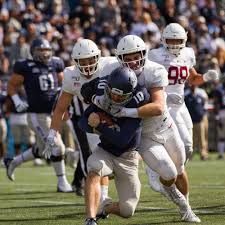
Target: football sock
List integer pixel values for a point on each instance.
(24, 157)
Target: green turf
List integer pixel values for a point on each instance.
(32, 198)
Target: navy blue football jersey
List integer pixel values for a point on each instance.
(40, 82)
(125, 133)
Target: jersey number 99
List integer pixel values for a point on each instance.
(177, 75)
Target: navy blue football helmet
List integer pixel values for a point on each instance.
(121, 84)
(41, 50)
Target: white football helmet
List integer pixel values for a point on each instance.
(84, 49)
(174, 31)
(131, 44)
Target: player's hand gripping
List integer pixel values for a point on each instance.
(50, 144)
(94, 120)
(99, 101)
(19, 104)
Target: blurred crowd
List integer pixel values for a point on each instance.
(63, 22)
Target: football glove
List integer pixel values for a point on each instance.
(99, 101)
(211, 75)
(50, 144)
(20, 105)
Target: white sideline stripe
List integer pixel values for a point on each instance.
(206, 186)
(26, 184)
(56, 203)
(26, 189)
(52, 173)
(139, 207)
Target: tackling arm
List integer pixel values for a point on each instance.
(60, 109)
(156, 106)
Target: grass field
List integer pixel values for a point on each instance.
(32, 198)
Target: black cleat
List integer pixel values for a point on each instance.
(9, 168)
(79, 191)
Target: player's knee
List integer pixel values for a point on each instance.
(169, 174)
(126, 209)
(95, 166)
(167, 171)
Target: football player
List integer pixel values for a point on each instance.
(117, 151)
(179, 61)
(161, 146)
(88, 66)
(41, 77)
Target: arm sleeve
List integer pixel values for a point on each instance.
(192, 58)
(60, 65)
(120, 138)
(89, 89)
(19, 68)
(160, 77)
(67, 84)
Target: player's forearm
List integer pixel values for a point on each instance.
(60, 109)
(151, 109)
(57, 119)
(11, 89)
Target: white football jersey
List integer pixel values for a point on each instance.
(73, 79)
(154, 75)
(177, 66)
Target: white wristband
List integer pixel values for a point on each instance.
(16, 98)
(132, 112)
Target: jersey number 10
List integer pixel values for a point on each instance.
(177, 75)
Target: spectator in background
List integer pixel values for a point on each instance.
(109, 12)
(4, 62)
(103, 47)
(3, 126)
(168, 10)
(74, 31)
(20, 50)
(208, 9)
(157, 18)
(196, 101)
(219, 107)
(220, 55)
(145, 25)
